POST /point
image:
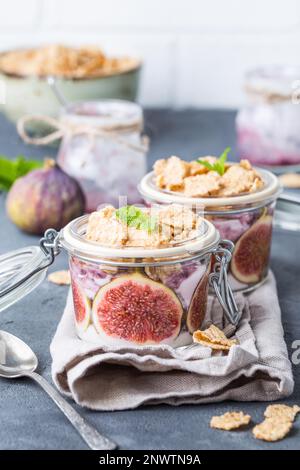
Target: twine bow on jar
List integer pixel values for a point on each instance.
(65, 127)
(257, 94)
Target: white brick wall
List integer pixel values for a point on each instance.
(195, 51)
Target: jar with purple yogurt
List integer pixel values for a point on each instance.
(144, 296)
(102, 147)
(268, 125)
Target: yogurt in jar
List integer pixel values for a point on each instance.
(239, 201)
(140, 276)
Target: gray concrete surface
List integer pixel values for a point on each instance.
(29, 419)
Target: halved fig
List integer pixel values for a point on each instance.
(137, 309)
(251, 254)
(82, 307)
(198, 304)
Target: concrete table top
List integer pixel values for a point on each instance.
(29, 419)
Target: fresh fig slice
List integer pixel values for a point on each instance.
(251, 254)
(137, 309)
(198, 304)
(82, 307)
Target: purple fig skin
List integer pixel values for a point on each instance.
(44, 198)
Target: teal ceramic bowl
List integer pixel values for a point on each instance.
(33, 95)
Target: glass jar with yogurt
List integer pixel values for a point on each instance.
(268, 126)
(245, 219)
(103, 149)
(140, 289)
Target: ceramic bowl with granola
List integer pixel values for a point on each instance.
(237, 198)
(81, 74)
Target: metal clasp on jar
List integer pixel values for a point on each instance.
(218, 279)
(49, 244)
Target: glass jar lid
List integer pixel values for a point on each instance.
(108, 114)
(21, 271)
(271, 190)
(72, 239)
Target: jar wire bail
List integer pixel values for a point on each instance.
(218, 279)
(49, 245)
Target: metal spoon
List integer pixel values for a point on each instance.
(58, 94)
(18, 360)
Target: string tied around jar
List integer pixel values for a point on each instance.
(64, 128)
(257, 95)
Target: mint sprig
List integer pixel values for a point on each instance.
(10, 170)
(219, 165)
(132, 216)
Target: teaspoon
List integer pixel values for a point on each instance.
(18, 360)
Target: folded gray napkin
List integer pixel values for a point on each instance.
(117, 377)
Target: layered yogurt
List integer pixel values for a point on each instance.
(237, 198)
(150, 284)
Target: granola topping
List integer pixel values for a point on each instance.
(192, 179)
(172, 224)
(284, 412)
(230, 420)
(171, 173)
(204, 185)
(272, 429)
(63, 61)
(61, 278)
(213, 338)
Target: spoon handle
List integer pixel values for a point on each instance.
(89, 434)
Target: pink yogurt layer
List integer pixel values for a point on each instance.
(259, 151)
(233, 227)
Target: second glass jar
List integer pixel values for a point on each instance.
(104, 150)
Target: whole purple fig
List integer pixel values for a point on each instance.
(44, 198)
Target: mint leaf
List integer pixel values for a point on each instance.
(134, 217)
(4, 185)
(221, 161)
(24, 166)
(147, 223)
(10, 170)
(128, 214)
(207, 164)
(219, 165)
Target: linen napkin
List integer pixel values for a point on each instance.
(105, 377)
